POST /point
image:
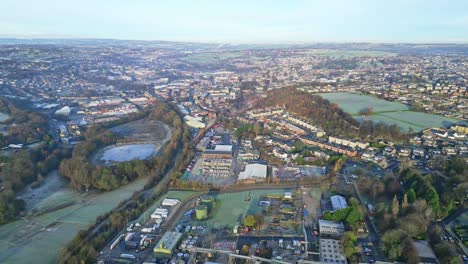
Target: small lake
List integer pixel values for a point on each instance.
(3, 117)
(127, 153)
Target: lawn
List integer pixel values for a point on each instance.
(38, 239)
(386, 112)
(208, 57)
(232, 207)
(348, 53)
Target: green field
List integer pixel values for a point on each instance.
(38, 239)
(207, 57)
(232, 208)
(347, 53)
(386, 112)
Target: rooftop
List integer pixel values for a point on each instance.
(338, 202)
(168, 242)
(254, 171)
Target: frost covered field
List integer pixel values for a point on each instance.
(128, 152)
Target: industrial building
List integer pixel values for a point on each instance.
(201, 212)
(331, 228)
(168, 243)
(220, 152)
(255, 172)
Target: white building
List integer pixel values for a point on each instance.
(338, 202)
(254, 172)
(331, 228)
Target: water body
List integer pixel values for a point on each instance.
(128, 152)
(3, 117)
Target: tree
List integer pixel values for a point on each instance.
(265, 253)
(395, 206)
(349, 243)
(392, 244)
(411, 195)
(404, 204)
(338, 165)
(350, 215)
(447, 253)
(250, 221)
(245, 250)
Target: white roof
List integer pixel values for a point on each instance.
(223, 148)
(331, 227)
(63, 111)
(254, 171)
(338, 202)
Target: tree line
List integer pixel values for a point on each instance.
(328, 115)
(24, 126)
(25, 167)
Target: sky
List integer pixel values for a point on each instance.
(240, 21)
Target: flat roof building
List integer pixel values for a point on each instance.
(254, 172)
(168, 243)
(331, 228)
(226, 148)
(331, 252)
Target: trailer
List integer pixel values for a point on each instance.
(117, 241)
(127, 256)
(161, 210)
(129, 236)
(170, 202)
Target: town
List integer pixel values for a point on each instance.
(143, 152)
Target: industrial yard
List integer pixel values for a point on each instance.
(180, 222)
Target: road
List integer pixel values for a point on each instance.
(444, 222)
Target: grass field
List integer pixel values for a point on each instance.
(38, 239)
(232, 208)
(208, 57)
(348, 53)
(386, 112)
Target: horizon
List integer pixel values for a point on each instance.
(242, 22)
(63, 38)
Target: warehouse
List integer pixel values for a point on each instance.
(220, 152)
(255, 172)
(168, 243)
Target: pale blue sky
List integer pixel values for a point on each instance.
(240, 21)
